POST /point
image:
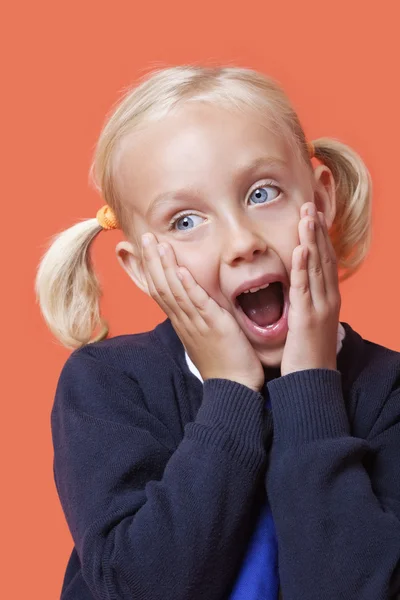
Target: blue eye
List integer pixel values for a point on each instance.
(261, 195)
(186, 221)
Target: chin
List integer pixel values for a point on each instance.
(270, 358)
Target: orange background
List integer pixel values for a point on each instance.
(66, 64)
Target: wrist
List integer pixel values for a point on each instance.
(251, 385)
(331, 367)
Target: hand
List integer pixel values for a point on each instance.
(212, 337)
(315, 300)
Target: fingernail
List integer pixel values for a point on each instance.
(161, 250)
(311, 224)
(311, 210)
(145, 240)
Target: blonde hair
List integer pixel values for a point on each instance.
(67, 287)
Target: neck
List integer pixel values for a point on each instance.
(271, 373)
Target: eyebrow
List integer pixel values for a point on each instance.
(176, 196)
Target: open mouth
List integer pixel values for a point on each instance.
(265, 306)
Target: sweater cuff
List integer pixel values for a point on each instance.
(233, 417)
(308, 405)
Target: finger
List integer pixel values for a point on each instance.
(191, 302)
(310, 236)
(328, 259)
(187, 299)
(306, 209)
(208, 308)
(328, 256)
(155, 276)
(299, 292)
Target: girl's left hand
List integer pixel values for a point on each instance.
(315, 300)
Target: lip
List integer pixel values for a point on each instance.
(258, 282)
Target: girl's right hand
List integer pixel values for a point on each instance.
(212, 337)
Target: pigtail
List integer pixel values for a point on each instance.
(67, 288)
(351, 229)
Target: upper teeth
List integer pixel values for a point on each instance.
(255, 289)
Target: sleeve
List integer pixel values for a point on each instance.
(150, 520)
(335, 498)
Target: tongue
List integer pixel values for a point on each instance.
(265, 306)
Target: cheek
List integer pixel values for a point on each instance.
(281, 227)
(290, 239)
(203, 266)
(286, 251)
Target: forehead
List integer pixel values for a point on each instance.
(197, 145)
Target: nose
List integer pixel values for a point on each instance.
(242, 241)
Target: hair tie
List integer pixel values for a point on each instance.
(311, 149)
(107, 218)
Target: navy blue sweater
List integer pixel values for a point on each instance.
(161, 477)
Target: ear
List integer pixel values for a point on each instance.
(130, 259)
(325, 193)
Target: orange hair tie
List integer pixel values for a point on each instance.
(107, 218)
(311, 149)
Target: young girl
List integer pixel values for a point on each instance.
(250, 442)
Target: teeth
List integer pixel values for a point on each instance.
(255, 289)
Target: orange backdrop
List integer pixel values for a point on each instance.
(66, 64)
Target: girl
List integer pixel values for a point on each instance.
(248, 443)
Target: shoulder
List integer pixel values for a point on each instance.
(379, 367)
(115, 363)
(123, 352)
(374, 384)
(126, 379)
(135, 357)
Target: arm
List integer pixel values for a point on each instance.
(150, 520)
(338, 526)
